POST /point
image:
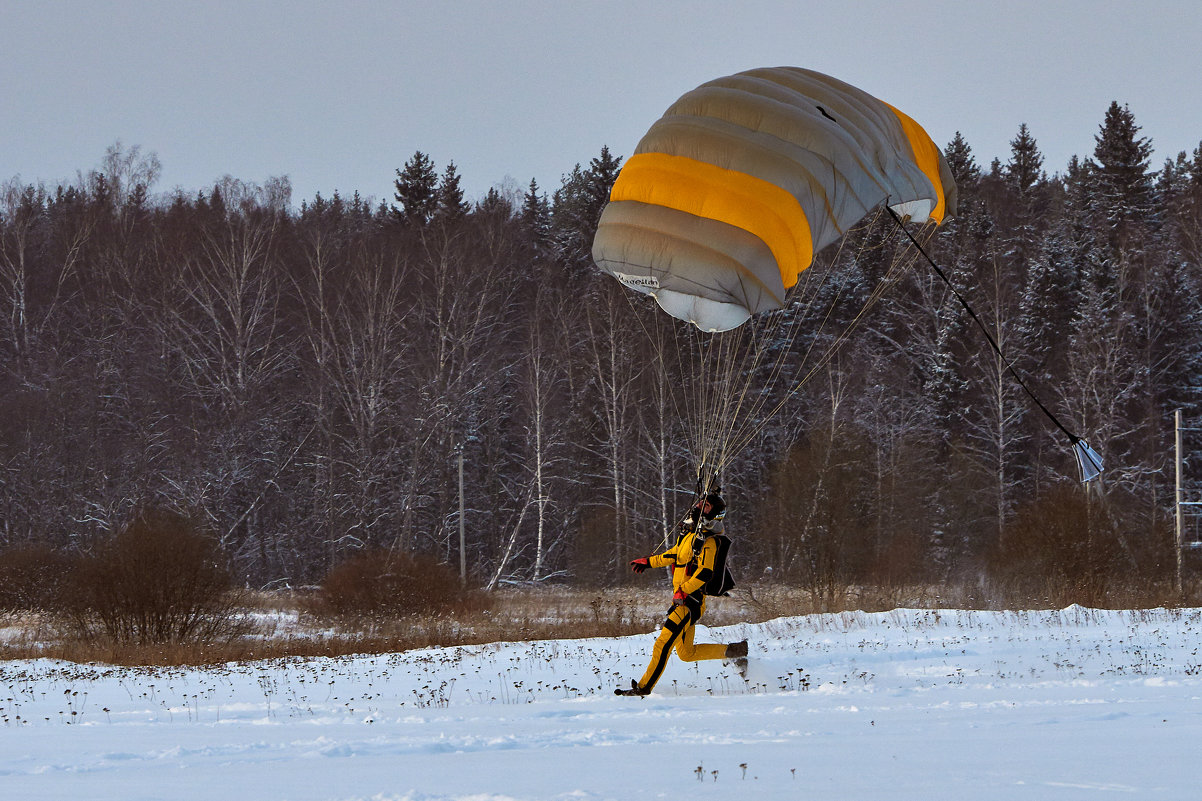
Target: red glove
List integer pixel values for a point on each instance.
(640, 564)
(678, 598)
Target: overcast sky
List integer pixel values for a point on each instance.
(338, 95)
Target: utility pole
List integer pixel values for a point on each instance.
(1180, 527)
(462, 553)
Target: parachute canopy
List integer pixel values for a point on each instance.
(731, 193)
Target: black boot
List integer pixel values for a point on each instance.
(635, 689)
(737, 653)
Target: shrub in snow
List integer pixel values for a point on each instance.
(1067, 548)
(160, 579)
(381, 584)
(31, 578)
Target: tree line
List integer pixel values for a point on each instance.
(306, 382)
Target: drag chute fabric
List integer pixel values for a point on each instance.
(729, 196)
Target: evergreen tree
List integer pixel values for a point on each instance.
(1195, 173)
(578, 205)
(602, 173)
(494, 204)
(951, 242)
(1122, 185)
(450, 204)
(1081, 229)
(1024, 171)
(1025, 200)
(961, 162)
(1109, 364)
(536, 215)
(1180, 198)
(416, 190)
(572, 227)
(1045, 305)
(945, 386)
(1172, 185)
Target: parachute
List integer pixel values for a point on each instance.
(718, 215)
(725, 204)
(729, 195)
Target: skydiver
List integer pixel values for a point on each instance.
(692, 560)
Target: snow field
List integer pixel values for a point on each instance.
(908, 704)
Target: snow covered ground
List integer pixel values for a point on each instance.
(909, 704)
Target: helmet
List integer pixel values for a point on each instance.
(712, 509)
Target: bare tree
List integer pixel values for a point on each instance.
(23, 270)
(993, 430)
(615, 370)
(224, 330)
(543, 395)
(367, 351)
(227, 311)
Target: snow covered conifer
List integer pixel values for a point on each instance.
(416, 190)
(536, 215)
(1122, 185)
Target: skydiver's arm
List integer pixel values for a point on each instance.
(665, 559)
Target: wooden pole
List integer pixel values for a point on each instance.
(462, 551)
(1180, 527)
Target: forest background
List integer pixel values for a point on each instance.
(303, 381)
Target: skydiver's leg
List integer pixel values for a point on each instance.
(678, 619)
(689, 652)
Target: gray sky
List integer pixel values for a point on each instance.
(338, 95)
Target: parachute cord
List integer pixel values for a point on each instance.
(826, 357)
(730, 421)
(1073, 438)
(742, 378)
(769, 330)
(802, 375)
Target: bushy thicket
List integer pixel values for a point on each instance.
(160, 579)
(32, 578)
(382, 584)
(1067, 548)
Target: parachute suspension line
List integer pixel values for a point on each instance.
(1085, 455)
(740, 379)
(805, 296)
(703, 397)
(801, 375)
(725, 394)
(703, 405)
(717, 363)
(730, 414)
(734, 403)
(732, 409)
(725, 409)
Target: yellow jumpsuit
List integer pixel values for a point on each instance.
(689, 575)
